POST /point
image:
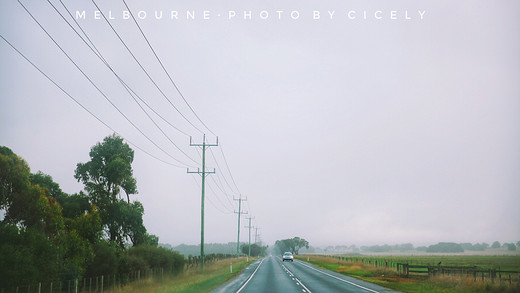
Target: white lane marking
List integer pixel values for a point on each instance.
(251, 276)
(298, 282)
(303, 286)
(354, 284)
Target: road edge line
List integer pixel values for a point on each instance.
(240, 289)
(351, 283)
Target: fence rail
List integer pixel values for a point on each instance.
(407, 269)
(474, 272)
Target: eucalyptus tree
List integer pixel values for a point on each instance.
(106, 177)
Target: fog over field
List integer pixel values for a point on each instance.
(341, 122)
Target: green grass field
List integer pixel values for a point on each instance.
(503, 262)
(362, 267)
(193, 281)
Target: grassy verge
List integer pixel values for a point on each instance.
(194, 280)
(390, 279)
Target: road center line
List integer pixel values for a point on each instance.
(251, 276)
(296, 279)
(351, 283)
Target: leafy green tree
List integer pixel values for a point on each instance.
(26, 255)
(74, 205)
(445, 247)
(109, 172)
(256, 250)
(151, 240)
(47, 183)
(467, 246)
(27, 204)
(33, 209)
(293, 245)
(495, 244)
(106, 259)
(480, 246)
(14, 179)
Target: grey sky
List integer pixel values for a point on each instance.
(340, 131)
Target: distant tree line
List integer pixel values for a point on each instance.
(229, 248)
(46, 234)
(209, 248)
(439, 247)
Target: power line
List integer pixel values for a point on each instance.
(219, 186)
(218, 166)
(227, 166)
(217, 197)
(97, 88)
(81, 105)
(212, 203)
(141, 66)
(130, 91)
(98, 53)
(166, 71)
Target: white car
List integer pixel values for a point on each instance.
(288, 256)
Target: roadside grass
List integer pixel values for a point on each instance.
(505, 262)
(390, 279)
(192, 281)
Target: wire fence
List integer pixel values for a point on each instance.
(409, 268)
(110, 282)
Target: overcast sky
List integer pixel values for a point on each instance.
(366, 122)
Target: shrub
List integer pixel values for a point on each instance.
(155, 257)
(106, 260)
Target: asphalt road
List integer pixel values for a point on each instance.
(271, 275)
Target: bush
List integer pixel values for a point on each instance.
(25, 256)
(155, 257)
(106, 260)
